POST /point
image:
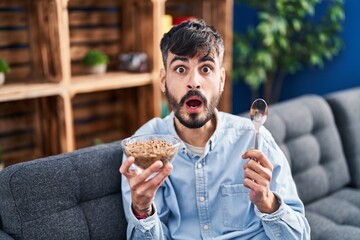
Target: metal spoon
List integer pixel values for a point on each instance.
(258, 115)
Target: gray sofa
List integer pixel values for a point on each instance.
(321, 139)
(77, 195)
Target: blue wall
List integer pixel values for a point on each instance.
(340, 73)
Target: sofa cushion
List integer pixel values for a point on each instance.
(336, 216)
(68, 196)
(305, 130)
(345, 105)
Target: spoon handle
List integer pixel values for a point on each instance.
(256, 139)
(258, 115)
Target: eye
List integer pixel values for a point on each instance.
(206, 69)
(180, 69)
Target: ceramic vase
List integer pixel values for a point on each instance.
(2, 78)
(97, 69)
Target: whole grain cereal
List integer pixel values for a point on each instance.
(147, 152)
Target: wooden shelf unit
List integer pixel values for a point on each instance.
(49, 106)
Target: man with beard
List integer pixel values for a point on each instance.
(218, 186)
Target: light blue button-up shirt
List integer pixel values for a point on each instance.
(204, 196)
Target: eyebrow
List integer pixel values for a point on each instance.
(179, 58)
(186, 59)
(207, 58)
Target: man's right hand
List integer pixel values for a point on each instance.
(143, 188)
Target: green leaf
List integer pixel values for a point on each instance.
(264, 58)
(307, 7)
(268, 40)
(255, 77)
(264, 16)
(4, 66)
(283, 42)
(281, 25)
(316, 60)
(264, 28)
(323, 37)
(296, 24)
(95, 57)
(337, 14)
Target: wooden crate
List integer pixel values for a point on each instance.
(94, 25)
(105, 116)
(106, 25)
(29, 40)
(30, 129)
(184, 8)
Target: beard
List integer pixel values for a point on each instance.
(192, 120)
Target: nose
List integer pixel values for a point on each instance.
(194, 82)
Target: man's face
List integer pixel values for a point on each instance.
(193, 87)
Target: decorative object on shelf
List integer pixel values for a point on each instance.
(288, 35)
(95, 61)
(2, 164)
(134, 62)
(167, 22)
(178, 20)
(4, 69)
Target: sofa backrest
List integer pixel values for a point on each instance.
(346, 107)
(305, 130)
(68, 196)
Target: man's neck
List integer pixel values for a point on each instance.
(197, 137)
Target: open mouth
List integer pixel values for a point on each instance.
(193, 103)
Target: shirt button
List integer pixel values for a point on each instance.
(202, 199)
(199, 165)
(206, 227)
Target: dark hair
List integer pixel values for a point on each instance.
(191, 37)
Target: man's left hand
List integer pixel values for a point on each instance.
(257, 176)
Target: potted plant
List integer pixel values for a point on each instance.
(95, 61)
(4, 69)
(286, 37)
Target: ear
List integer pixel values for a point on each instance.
(162, 79)
(222, 79)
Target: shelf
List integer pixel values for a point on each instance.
(80, 84)
(108, 81)
(25, 127)
(23, 91)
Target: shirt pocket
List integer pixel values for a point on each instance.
(236, 205)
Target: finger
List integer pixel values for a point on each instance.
(153, 168)
(125, 166)
(246, 164)
(259, 169)
(149, 186)
(252, 153)
(255, 185)
(252, 175)
(258, 180)
(259, 156)
(163, 174)
(249, 183)
(252, 165)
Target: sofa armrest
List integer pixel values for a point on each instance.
(346, 108)
(80, 190)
